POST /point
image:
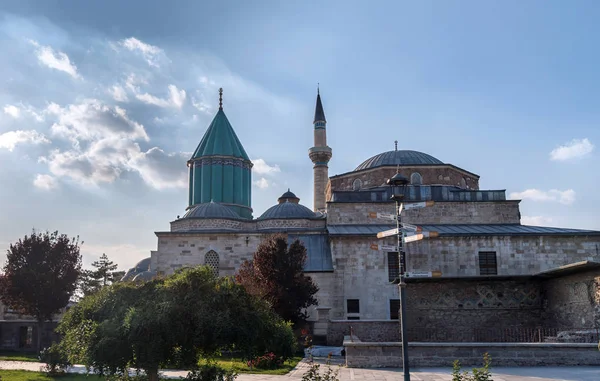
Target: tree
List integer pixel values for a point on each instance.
(170, 320)
(276, 274)
(102, 275)
(40, 275)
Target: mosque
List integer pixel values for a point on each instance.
(484, 269)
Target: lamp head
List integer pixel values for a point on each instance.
(397, 181)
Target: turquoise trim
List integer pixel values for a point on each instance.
(321, 163)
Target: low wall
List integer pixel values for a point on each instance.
(367, 330)
(389, 355)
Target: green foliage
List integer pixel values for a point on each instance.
(479, 374)
(313, 373)
(170, 320)
(210, 371)
(102, 275)
(55, 359)
(276, 274)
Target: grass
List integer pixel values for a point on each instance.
(23, 375)
(18, 356)
(240, 366)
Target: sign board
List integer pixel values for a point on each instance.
(410, 227)
(383, 216)
(417, 205)
(375, 246)
(430, 234)
(413, 238)
(387, 233)
(423, 274)
(400, 208)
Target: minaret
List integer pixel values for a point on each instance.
(320, 155)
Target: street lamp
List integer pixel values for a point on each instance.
(398, 184)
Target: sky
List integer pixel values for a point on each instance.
(102, 103)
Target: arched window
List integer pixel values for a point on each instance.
(356, 184)
(416, 179)
(212, 259)
(463, 183)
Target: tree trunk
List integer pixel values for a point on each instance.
(152, 374)
(40, 330)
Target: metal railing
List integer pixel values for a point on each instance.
(505, 335)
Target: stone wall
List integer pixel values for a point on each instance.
(373, 355)
(452, 212)
(573, 301)
(367, 330)
(11, 337)
(431, 175)
(194, 224)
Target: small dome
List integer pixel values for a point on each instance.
(288, 210)
(288, 196)
(144, 276)
(143, 265)
(211, 210)
(401, 157)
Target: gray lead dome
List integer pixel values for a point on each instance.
(402, 157)
(288, 210)
(211, 210)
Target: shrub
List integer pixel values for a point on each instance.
(55, 359)
(479, 374)
(313, 373)
(211, 372)
(268, 361)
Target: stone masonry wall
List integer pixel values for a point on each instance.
(431, 175)
(573, 301)
(493, 212)
(381, 355)
(366, 330)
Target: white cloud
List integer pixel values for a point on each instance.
(13, 111)
(9, 140)
(536, 220)
(91, 120)
(566, 197)
(161, 170)
(149, 52)
(576, 148)
(55, 60)
(262, 168)
(176, 98)
(45, 182)
(262, 183)
(118, 93)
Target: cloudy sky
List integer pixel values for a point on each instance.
(102, 102)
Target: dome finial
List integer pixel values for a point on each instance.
(221, 98)
(318, 88)
(395, 145)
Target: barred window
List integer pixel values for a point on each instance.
(487, 263)
(416, 178)
(212, 259)
(353, 306)
(394, 309)
(393, 266)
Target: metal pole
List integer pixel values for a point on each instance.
(402, 286)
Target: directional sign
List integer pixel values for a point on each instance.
(417, 205)
(383, 216)
(400, 208)
(423, 274)
(387, 233)
(413, 238)
(384, 247)
(410, 227)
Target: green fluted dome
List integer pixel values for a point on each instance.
(220, 140)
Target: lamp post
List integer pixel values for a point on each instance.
(398, 184)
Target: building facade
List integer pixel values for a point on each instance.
(481, 238)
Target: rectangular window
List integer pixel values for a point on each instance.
(393, 266)
(487, 263)
(352, 306)
(394, 309)
(353, 318)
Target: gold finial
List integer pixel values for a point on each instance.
(396, 145)
(221, 98)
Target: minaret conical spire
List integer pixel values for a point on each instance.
(320, 154)
(319, 113)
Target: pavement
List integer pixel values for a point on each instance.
(580, 373)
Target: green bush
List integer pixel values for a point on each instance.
(479, 374)
(313, 373)
(55, 359)
(268, 361)
(211, 372)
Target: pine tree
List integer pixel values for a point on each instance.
(102, 275)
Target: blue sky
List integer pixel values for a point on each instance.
(102, 101)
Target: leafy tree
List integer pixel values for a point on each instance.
(40, 275)
(170, 320)
(276, 274)
(102, 275)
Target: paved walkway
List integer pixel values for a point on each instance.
(417, 374)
